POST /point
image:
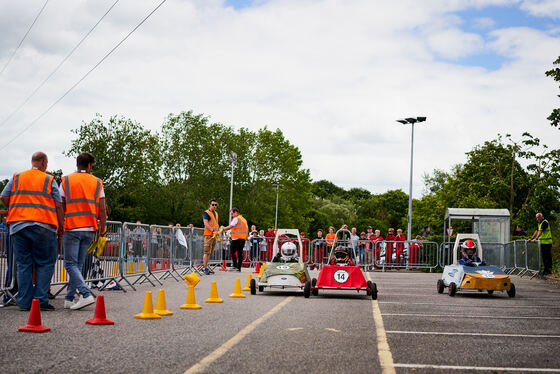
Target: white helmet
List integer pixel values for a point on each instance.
(289, 250)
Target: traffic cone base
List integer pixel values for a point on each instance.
(34, 323)
(191, 301)
(148, 309)
(248, 285)
(237, 290)
(213, 294)
(99, 317)
(161, 307)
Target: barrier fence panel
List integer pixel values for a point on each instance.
(134, 260)
(160, 254)
(533, 257)
(509, 258)
(104, 269)
(8, 286)
(181, 259)
(414, 254)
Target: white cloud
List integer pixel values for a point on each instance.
(484, 23)
(540, 8)
(334, 75)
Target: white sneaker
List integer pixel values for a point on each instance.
(81, 303)
(68, 304)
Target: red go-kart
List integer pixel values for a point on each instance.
(341, 272)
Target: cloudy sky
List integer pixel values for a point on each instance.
(333, 75)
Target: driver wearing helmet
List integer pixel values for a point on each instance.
(468, 250)
(287, 253)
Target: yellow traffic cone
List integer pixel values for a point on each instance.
(114, 273)
(148, 309)
(248, 285)
(130, 267)
(237, 289)
(213, 294)
(141, 266)
(261, 272)
(191, 301)
(161, 308)
(63, 277)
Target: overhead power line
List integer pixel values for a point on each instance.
(83, 77)
(57, 67)
(22, 39)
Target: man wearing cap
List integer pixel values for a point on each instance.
(35, 217)
(427, 232)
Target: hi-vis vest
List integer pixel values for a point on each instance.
(82, 192)
(546, 235)
(241, 230)
(213, 223)
(31, 198)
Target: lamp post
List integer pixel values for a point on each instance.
(233, 160)
(276, 215)
(411, 121)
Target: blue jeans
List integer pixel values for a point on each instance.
(75, 245)
(34, 246)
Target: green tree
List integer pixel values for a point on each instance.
(554, 73)
(128, 160)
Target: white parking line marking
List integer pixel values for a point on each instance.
(472, 334)
(383, 349)
(220, 351)
(466, 293)
(295, 328)
(475, 306)
(331, 329)
(477, 368)
(466, 316)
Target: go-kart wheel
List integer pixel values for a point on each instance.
(307, 289)
(314, 291)
(511, 292)
(440, 286)
(261, 288)
(452, 289)
(369, 288)
(253, 287)
(373, 291)
(490, 292)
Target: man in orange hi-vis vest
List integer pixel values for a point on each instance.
(239, 234)
(83, 199)
(211, 227)
(35, 217)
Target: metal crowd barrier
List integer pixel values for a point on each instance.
(410, 255)
(8, 285)
(134, 254)
(160, 256)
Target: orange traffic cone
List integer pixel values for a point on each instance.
(161, 308)
(34, 323)
(224, 267)
(148, 309)
(257, 268)
(248, 285)
(237, 289)
(99, 317)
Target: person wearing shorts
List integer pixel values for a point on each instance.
(211, 226)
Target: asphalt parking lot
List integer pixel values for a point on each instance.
(410, 328)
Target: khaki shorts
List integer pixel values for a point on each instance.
(209, 244)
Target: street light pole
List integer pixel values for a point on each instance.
(410, 121)
(276, 216)
(233, 160)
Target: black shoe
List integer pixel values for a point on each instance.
(50, 295)
(47, 307)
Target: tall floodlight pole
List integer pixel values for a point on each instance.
(410, 121)
(276, 215)
(233, 160)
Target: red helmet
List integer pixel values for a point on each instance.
(467, 244)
